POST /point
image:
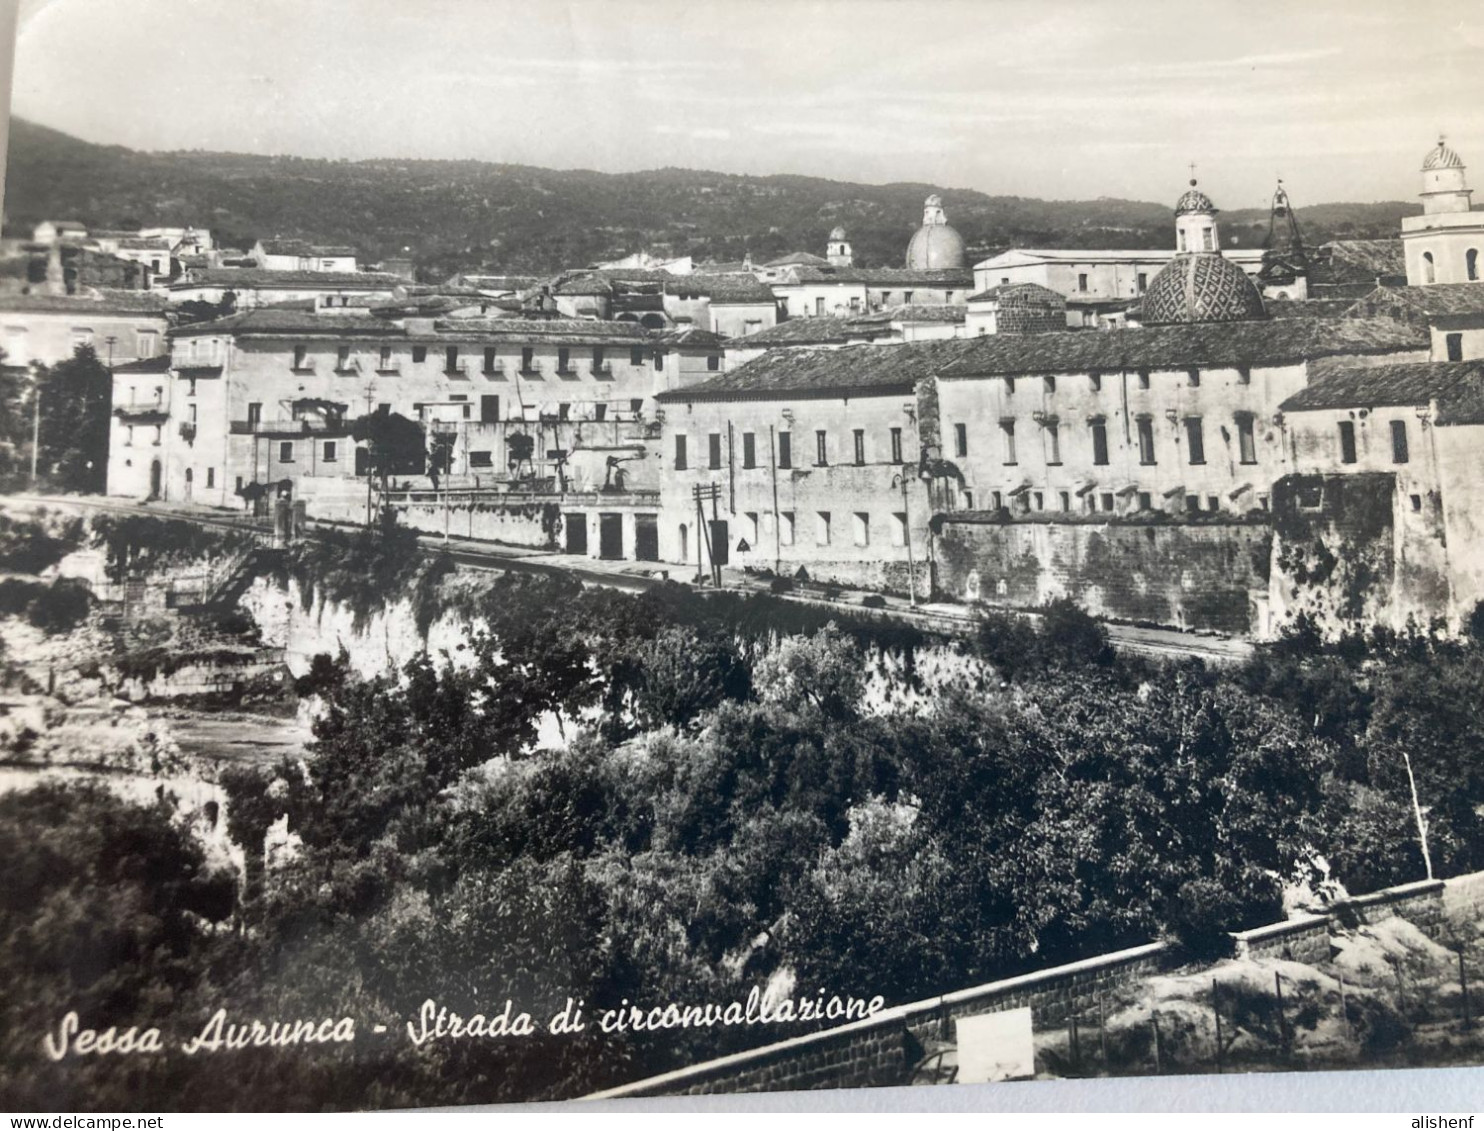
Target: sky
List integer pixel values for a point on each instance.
(1060, 99)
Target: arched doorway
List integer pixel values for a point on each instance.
(190, 479)
(154, 479)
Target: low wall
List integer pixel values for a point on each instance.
(515, 524)
(1208, 575)
(883, 1049)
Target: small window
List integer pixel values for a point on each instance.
(481, 459)
(822, 528)
(1106, 500)
(1040, 500)
(564, 360)
(713, 450)
(1050, 384)
(1146, 501)
(786, 528)
(1052, 432)
(896, 445)
(659, 361)
(342, 358)
(1195, 439)
(329, 454)
(286, 452)
(489, 359)
(1007, 438)
(1195, 377)
(821, 449)
(1347, 441)
(1244, 375)
(301, 355)
(1146, 440)
(600, 410)
(636, 355)
(1399, 453)
(1066, 500)
(1192, 504)
(862, 526)
(384, 359)
(419, 354)
(1454, 343)
(1246, 440)
(1471, 264)
(749, 450)
(1416, 503)
(713, 362)
(680, 463)
(1009, 386)
(1095, 380)
(1143, 378)
(211, 477)
(527, 360)
(1429, 269)
(898, 529)
(1100, 442)
(1213, 504)
(564, 412)
(960, 440)
(859, 440)
(785, 450)
(1143, 282)
(1082, 282)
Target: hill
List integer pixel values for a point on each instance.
(468, 214)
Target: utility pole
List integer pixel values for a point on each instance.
(1417, 812)
(900, 480)
(370, 394)
(777, 518)
(701, 494)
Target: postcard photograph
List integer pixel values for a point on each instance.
(642, 549)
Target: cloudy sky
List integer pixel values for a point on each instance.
(1049, 98)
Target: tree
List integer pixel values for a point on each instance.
(76, 396)
(394, 445)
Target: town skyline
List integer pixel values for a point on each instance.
(1330, 105)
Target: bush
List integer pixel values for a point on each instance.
(874, 601)
(781, 585)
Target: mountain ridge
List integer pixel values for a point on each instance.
(465, 214)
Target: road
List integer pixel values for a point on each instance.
(954, 620)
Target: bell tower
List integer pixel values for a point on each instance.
(838, 251)
(1445, 243)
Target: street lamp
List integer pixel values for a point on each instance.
(900, 480)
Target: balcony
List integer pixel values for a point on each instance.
(188, 431)
(150, 412)
(494, 371)
(459, 370)
(288, 428)
(303, 368)
(530, 372)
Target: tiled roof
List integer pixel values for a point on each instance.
(584, 285)
(1356, 261)
(954, 277)
(258, 277)
(1256, 342)
(159, 364)
(285, 247)
(1026, 290)
(280, 322)
(333, 252)
(720, 288)
(693, 337)
(137, 244)
(821, 330)
(1308, 308)
(798, 258)
(916, 312)
(109, 302)
(1458, 386)
(1438, 300)
(849, 371)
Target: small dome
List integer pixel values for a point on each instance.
(1194, 200)
(838, 233)
(936, 247)
(1441, 158)
(1201, 287)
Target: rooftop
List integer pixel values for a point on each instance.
(720, 288)
(885, 276)
(105, 302)
(1438, 300)
(861, 370)
(1457, 386)
(260, 277)
(159, 364)
(1258, 342)
(821, 330)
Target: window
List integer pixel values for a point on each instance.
(600, 410)
(329, 453)
(1181, 234)
(1195, 378)
(599, 362)
(636, 355)
(419, 354)
(821, 449)
(786, 528)
(481, 459)
(636, 405)
(896, 445)
(659, 361)
(1192, 504)
(489, 359)
(1009, 386)
(680, 462)
(384, 359)
(286, 452)
(968, 498)
(564, 360)
(1208, 239)
(713, 450)
(713, 362)
(1213, 504)
(1471, 264)
(1049, 383)
(1040, 500)
(751, 530)
(1082, 281)
(149, 343)
(1246, 441)
(819, 306)
(1146, 501)
(749, 450)
(898, 528)
(785, 450)
(1146, 439)
(1244, 375)
(1052, 431)
(527, 360)
(301, 355)
(1100, 442)
(211, 477)
(1416, 502)
(907, 297)
(1007, 438)
(1143, 282)
(822, 528)
(254, 414)
(1454, 344)
(996, 501)
(342, 359)
(1195, 439)
(1429, 269)
(1399, 441)
(862, 525)
(564, 411)
(1066, 500)
(1095, 381)
(489, 409)
(960, 440)
(1143, 378)
(1106, 500)
(859, 439)
(1347, 441)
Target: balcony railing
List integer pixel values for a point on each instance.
(288, 427)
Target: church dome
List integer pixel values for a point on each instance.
(1200, 287)
(1441, 158)
(935, 246)
(1194, 200)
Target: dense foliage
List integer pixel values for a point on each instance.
(460, 215)
(736, 802)
(76, 396)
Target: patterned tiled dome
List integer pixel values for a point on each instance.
(1200, 287)
(1194, 200)
(1441, 158)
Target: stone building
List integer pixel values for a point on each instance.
(252, 287)
(47, 328)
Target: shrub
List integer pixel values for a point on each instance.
(873, 601)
